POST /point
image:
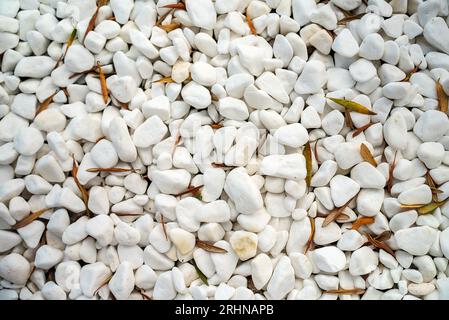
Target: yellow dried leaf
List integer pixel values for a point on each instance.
(429, 208)
(353, 106)
(165, 80)
(367, 155)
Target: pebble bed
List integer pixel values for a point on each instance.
(224, 149)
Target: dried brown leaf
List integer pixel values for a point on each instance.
(209, 247)
(312, 234)
(333, 215)
(367, 155)
(44, 105)
(193, 190)
(442, 97)
(27, 220)
(91, 24)
(390, 173)
(379, 244)
(82, 189)
(409, 75)
(346, 291)
(170, 27)
(178, 5)
(384, 236)
(358, 131)
(362, 221)
(348, 119)
(104, 87)
(307, 153)
(216, 125)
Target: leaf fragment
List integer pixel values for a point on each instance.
(170, 26)
(28, 219)
(193, 190)
(312, 234)
(362, 221)
(353, 106)
(348, 119)
(165, 80)
(367, 155)
(333, 215)
(429, 208)
(216, 125)
(104, 87)
(379, 244)
(442, 97)
(307, 153)
(411, 73)
(44, 104)
(209, 247)
(68, 45)
(178, 5)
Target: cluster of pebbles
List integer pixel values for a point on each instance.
(224, 149)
